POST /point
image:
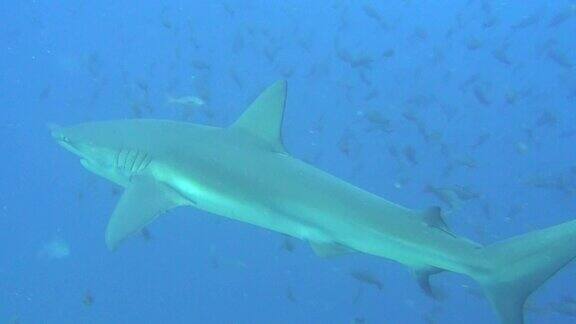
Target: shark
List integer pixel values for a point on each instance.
(245, 173)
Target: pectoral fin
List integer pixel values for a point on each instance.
(422, 275)
(143, 200)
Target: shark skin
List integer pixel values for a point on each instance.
(243, 172)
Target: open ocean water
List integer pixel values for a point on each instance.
(468, 105)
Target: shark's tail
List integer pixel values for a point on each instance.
(521, 264)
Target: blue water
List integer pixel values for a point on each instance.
(491, 86)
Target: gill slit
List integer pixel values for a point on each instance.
(117, 166)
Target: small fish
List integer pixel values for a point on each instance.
(359, 320)
(489, 22)
(420, 34)
(388, 53)
(45, 93)
(358, 295)
(143, 85)
(287, 71)
(200, 65)
(271, 52)
(371, 95)
(288, 244)
(365, 78)
(480, 95)
(146, 234)
(445, 195)
(236, 78)
(480, 140)
(229, 9)
(560, 58)
(473, 44)
(511, 97)
(372, 13)
(361, 61)
(342, 54)
(528, 21)
(56, 249)
(136, 110)
(165, 20)
(430, 136)
(501, 54)
(562, 16)
(546, 119)
(367, 278)
(410, 154)
(410, 115)
(564, 182)
(522, 147)
(88, 299)
(290, 295)
(466, 193)
(348, 144)
(114, 191)
(471, 80)
(514, 211)
(377, 121)
(464, 161)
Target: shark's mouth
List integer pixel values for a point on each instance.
(70, 147)
(76, 149)
(91, 166)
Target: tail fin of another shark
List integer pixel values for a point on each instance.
(523, 263)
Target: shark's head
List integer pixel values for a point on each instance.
(90, 142)
(114, 150)
(120, 150)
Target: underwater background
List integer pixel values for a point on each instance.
(469, 105)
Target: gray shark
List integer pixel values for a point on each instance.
(244, 172)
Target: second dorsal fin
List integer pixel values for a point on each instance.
(433, 218)
(263, 118)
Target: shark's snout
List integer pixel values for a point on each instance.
(56, 132)
(64, 140)
(60, 137)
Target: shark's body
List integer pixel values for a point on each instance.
(243, 172)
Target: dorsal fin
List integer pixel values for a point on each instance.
(264, 116)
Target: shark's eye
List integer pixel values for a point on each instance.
(65, 139)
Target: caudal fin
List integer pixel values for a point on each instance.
(523, 263)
